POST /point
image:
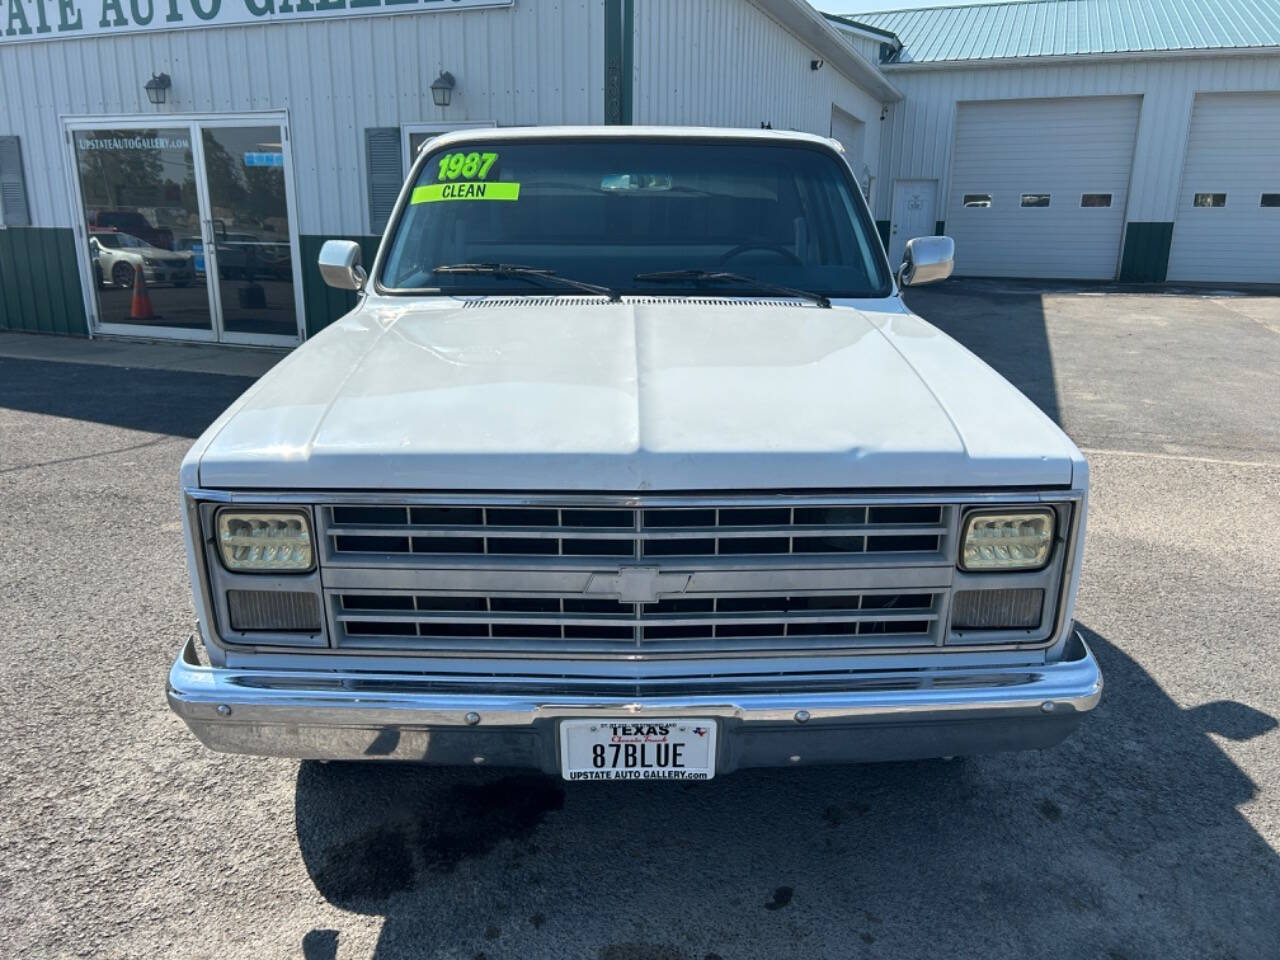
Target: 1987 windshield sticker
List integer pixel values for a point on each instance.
(465, 166)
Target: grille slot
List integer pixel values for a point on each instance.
(685, 625)
(639, 533)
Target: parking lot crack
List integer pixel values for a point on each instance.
(89, 456)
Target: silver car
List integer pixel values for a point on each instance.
(117, 256)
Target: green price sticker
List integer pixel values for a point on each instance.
(465, 166)
(436, 192)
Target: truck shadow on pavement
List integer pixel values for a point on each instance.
(1004, 325)
(170, 402)
(1124, 842)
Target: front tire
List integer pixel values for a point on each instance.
(122, 275)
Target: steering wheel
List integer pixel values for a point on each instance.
(777, 248)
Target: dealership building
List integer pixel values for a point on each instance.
(170, 168)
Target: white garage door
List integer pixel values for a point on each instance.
(1228, 221)
(1038, 187)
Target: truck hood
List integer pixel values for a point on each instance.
(557, 394)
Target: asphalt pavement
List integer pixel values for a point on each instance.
(1152, 833)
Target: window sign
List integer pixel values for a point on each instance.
(40, 20)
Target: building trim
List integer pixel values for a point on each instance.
(1144, 256)
(907, 66)
(865, 29)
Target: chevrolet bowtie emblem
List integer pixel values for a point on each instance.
(637, 584)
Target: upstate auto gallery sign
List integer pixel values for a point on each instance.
(32, 20)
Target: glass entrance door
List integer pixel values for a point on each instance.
(138, 187)
(249, 231)
(189, 229)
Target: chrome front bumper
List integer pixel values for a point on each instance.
(910, 714)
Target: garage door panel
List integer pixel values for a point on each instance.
(1232, 148)
(1065, 148)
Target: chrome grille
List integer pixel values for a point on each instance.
(688, 624)
(510, 579)
(603, 577)
(637, 533)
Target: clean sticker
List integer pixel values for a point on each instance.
(436, 192)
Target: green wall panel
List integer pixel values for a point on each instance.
(322, 303)
(40, 281)
(1146, 252)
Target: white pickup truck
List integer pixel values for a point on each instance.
(630, 463)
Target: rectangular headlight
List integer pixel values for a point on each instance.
(258, 541)
(1019, 540)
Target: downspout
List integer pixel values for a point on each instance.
(619, 61)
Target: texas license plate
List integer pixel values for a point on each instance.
(638, 750)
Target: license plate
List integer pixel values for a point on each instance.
(637, 750)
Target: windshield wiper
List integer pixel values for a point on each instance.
(526, 273)
(720, 276)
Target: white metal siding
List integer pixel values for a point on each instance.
(1063, 148)
(727, 63)
(537, 62)
(1233, 148)
(917, 137)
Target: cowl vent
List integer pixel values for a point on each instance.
(491, 302)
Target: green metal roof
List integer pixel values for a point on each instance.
(1053, 28)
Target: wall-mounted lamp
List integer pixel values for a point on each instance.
(442, 89)
(816, 64)
(158, 87)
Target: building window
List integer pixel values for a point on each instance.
(977, 199)
(1095, 200)
(1210, 200)
(1271, 200)
(1035, 199)
(415, 135)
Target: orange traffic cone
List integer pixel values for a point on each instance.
(140, 309)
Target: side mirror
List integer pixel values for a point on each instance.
(927, 260)
(340, 265)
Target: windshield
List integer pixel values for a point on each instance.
(609, 212)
